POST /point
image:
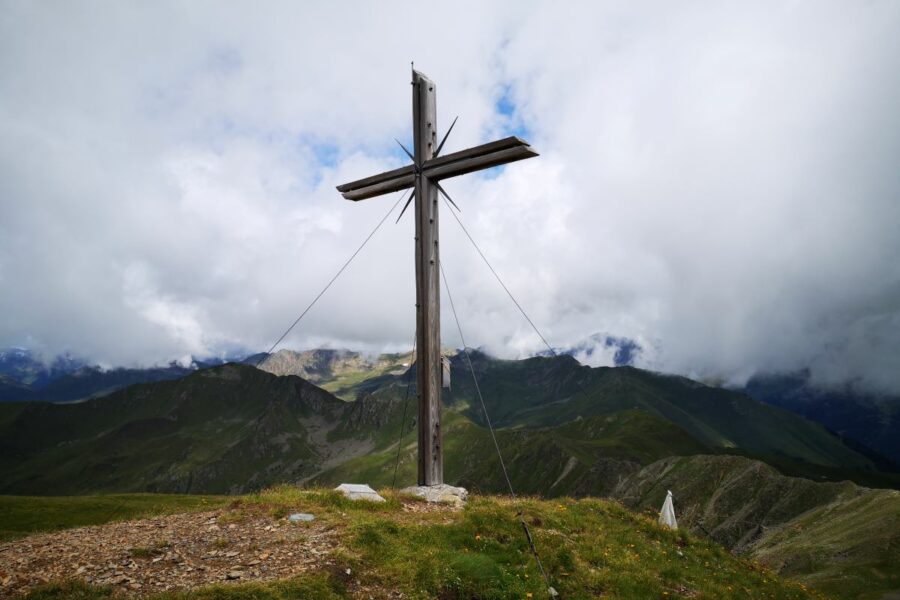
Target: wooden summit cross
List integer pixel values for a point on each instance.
(423, 176)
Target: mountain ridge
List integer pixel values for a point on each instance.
(235, 428)
(868, 424)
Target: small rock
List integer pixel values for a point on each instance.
(359, 491)
(234, 575)
(298, 517)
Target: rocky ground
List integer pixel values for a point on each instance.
(174, 552)
(166, 553)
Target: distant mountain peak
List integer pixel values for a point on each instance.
(602, 349)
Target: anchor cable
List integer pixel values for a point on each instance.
(487, 419)
(552, 350)
(325, 289)
(500, 281)
(405, 404)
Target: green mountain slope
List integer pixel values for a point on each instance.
(235, 428)
(585, 457)
(550, 391)
(229, 428)
(838, 537)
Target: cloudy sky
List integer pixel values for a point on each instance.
(718, 181)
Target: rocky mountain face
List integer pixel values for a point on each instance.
(316, 365)
(339, 371)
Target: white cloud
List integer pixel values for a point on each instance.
(179, 321)
(716, 181)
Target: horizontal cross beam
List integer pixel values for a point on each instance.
(485, 156)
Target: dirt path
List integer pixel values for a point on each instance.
(167, 553)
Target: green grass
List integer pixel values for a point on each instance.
(588, 547)
(23, 515)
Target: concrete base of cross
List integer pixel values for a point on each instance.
(439, 493)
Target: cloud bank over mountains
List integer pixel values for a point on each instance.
(717, 182)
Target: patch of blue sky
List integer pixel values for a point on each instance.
(492, 173)
(510, 123)
(398, 154)
(325, 154)
(504, 104)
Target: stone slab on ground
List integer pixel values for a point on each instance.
(359, 491)
(301, 517)
(443, 493)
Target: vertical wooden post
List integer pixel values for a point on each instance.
(428, 302)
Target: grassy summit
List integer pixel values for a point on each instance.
(589, 547)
